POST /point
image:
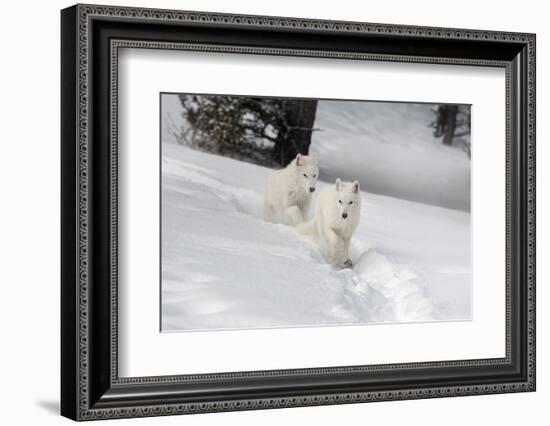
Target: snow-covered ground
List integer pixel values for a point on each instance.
(224, 267)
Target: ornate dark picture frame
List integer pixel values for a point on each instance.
(90, 385)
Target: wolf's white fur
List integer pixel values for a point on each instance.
(289, 191)
(337, 213)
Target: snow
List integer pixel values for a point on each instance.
(224, 267)
(390, 148)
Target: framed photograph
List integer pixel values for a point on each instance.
(263, 212)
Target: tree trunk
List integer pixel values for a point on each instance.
(295, 135)
(450, 125)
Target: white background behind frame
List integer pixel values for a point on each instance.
(143, 74)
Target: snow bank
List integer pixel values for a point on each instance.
(224, 267)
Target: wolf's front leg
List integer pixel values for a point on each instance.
(340, 256)
(345, 255)
(304, 210)
(293, 216)
(335, 247)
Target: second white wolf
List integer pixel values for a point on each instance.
(337, 213)
(289, 191)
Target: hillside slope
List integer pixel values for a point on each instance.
(224, 267)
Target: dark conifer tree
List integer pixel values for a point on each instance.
(261, 130)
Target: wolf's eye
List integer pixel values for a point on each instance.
(305, 175)
(351, 202)
(340, 201)
(314, 176)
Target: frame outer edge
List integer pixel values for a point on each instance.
(83, 12)
(531, 197)
(69, 191)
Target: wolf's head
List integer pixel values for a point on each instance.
(307, 171)
(348, 198)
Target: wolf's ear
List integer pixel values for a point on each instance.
(355, 186)
(299, 159)
(313, 158)
(338, 184)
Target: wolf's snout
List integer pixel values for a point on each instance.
(344, 215)
(311, 189)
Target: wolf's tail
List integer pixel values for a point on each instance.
(307, 228)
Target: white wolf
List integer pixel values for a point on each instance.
(336, 216)
(289, 191)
